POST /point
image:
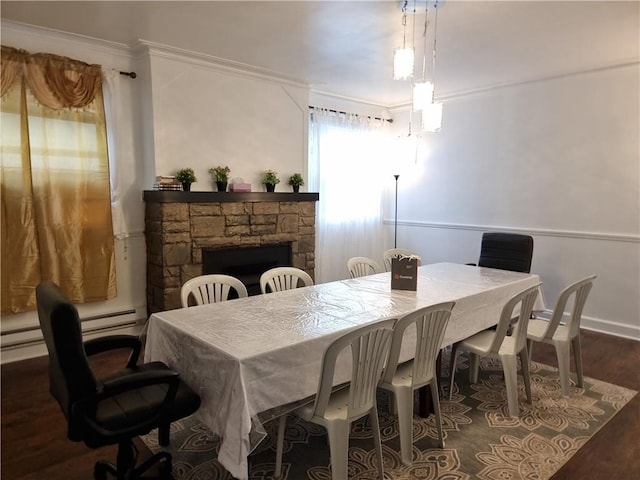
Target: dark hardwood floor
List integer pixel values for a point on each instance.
(34, 445)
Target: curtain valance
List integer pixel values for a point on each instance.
(56, 82)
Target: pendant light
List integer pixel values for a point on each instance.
(403, 58)
(432, 114)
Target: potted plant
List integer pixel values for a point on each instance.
(270, 179)
(220, 175)
(296, 181)
(186, 177)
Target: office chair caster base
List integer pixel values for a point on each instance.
(162, 459)
(102, 468)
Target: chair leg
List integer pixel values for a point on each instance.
(564, 362)
(530, 348)
(436, 409)
(526, 373)
(375, 425)
(338, 433)
(404, 399)
(452, 367)
(164, 434)
(279, 446)
(474, 367)
(510, 367)
(577, 357)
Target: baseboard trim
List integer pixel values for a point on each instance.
(37, 348)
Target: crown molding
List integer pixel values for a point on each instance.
(445, 97)
(72, 39)
(144, 47)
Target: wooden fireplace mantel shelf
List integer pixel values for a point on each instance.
(168, 196)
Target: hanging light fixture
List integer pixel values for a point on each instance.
(432, 113)
(423, 91)
(403, 58)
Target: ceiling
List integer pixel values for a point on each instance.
(346, 48)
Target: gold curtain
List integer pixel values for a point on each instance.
(54, 178)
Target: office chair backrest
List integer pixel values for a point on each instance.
(506, 251)
(70, 376)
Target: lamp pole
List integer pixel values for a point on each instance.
(395, 221)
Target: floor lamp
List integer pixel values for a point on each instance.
(395, 220)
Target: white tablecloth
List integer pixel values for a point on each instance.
(250, 355)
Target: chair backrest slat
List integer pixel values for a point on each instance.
(525, 301)
(363, 266)
(211, 288)
(369, 352)
(580, 292)
(430, 323)
(284, 278)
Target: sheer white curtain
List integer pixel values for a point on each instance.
(347, 166)
(112, 96)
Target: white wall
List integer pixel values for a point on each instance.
(554, 158)
(206, 115)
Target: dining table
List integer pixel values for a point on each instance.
(251, 359)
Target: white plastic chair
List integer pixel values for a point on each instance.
(563, 337)
(211, 289)
(337, 409)
(284, 278)
(363, 266)
(497, 344)
(403, 379)
(397, 252)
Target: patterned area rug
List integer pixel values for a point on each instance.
(481, 440)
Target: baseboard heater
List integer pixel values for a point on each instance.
(89, 330)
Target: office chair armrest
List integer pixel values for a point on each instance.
(133, 381)
(113, 342)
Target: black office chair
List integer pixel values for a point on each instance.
(506, 251)
(115, 409)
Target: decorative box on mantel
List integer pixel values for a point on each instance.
(179, 225)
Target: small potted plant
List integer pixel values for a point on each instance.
(296, 181)
(186, 177)
(220, 175)
(270, 179)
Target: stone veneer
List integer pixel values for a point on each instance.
(178, 225)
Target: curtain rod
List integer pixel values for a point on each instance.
(390, 120)
(129, 74)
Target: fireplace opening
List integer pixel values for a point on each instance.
(246, 263)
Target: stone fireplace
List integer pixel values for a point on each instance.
(179, 226)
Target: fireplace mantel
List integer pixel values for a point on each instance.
(180, 225)
(168, 196)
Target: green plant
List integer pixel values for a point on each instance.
(220, 174)
(296, 180)
(270, 177)
(186, 175)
